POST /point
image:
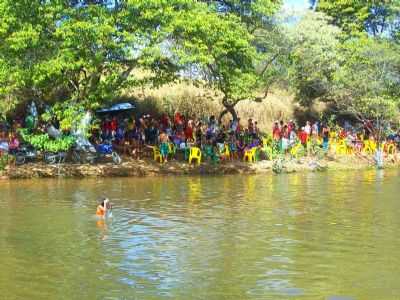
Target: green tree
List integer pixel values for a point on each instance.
(55, 51)
(220, 49)
(369, 69)
(83, 52)
(254, 14)
(374, 17)
(313, 56)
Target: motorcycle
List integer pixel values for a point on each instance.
(87, 153)
(53, 158)
(24, 154)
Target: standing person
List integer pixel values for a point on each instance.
(307, 128)
(189, 131)
(276, 131)
(325, 137)
(4, 147)
(103, 207)
(114, 126)
(303, 136)
(164, 146)
(256, 130)
(291, 126)
(285, 139)
(199, 134)
(292, 136)
(315, 129)
(250, 126)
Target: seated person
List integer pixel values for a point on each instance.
(13, 143)
(4, 147)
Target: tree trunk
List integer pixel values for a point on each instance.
(229, 108)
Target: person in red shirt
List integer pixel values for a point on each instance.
(303, 136)
(114, 124)
(276, 131)
(164, 121)
(189, 132)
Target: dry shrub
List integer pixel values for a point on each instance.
(191, 100)
(277, 106)
(185, 98)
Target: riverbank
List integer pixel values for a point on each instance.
(143, 168)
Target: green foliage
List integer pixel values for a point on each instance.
(313, 56)
(79, 55)
(4, 161)
(86, 53)
(378, 18)
(254, 14)
(366, 84)
(220, 47)
(67, 114)
(43, 142)
(368, 68)
(83, 53)
(377, 108)
(358, 75)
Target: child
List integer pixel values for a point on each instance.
(103, 207)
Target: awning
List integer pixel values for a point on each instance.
(117, 107)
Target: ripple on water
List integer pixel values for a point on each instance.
(238, 237)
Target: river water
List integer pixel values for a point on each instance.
(303, 236)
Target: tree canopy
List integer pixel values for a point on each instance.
(80, 54)
(374, 17)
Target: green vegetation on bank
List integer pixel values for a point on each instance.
(74, 55)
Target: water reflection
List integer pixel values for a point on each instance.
(306, 236)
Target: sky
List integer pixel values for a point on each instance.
(296, 4)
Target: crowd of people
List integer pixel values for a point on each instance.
(180, 131)
(237, 136)
(136, 136)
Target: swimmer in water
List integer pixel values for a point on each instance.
(103, 207)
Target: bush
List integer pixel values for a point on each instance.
(43, 142)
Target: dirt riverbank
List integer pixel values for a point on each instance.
(143, 168)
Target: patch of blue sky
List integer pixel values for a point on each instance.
(296, 4)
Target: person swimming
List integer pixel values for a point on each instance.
(103, 207)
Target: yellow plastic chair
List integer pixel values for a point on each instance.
(157, 155)
(295, 150)
(366, 149)
(369, 147)
(349, 150)
(250, 155)
(341, 147)
(373, 146)
(391, 149)
(195, 153)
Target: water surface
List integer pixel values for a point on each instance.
(303, 236)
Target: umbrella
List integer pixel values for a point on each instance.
(117, 107)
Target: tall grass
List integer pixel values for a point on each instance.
(195, 101)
